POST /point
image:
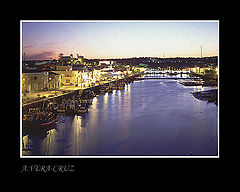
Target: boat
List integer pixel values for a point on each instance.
(92, 94)
(36, 121)
(120, 87)
(191, 83)
(74, 107)
(102, 90)
(61, 110)
(61, 107)
(109, 90)
(86, 101)
(71, 107)
(114, 87)
(82, 109)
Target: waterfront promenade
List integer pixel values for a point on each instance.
(37, 97)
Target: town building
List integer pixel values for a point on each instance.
(54, 80)
(75, 75)
(40, 81)
(140, 68)
(65, 59)
(34, 81)
(64, 68)
(69, 77)
(199, 70)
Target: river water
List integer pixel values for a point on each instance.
(157, 117)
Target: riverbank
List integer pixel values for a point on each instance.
(38, 97)
(207, 80)
(210, 95)
(122, 122)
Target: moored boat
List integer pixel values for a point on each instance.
(71, 107)
(109, 91)
(38, 121)
(82, 109)
(61, 110)
(191, 83)
(77, 107)
(120, 87)
(102, 90)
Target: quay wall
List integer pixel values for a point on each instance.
(57, 98)
(70, 94)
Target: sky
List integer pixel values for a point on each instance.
(119, 39)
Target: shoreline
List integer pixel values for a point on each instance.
(208, 81)
(209, 95)
(34, 101)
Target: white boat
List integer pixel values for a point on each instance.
(82, 109)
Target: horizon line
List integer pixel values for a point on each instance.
(132, 57)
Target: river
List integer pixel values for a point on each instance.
(157, 117)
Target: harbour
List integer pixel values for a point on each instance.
(70, 92)
(116, 121)
(92, 89)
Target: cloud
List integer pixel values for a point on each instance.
(81, 43)
(28, 46)
(42, 55)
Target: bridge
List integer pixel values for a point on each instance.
(167, 72)
(175, 78)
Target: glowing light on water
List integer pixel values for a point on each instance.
(105, 98)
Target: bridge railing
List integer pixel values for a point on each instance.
(166, 71)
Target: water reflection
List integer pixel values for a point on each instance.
(79, 135)
(26, 145)
(105, 98)
(152, 117)
(67, 139)
(39, 144)
(119, 100)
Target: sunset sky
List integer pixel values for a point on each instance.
(119, 39)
